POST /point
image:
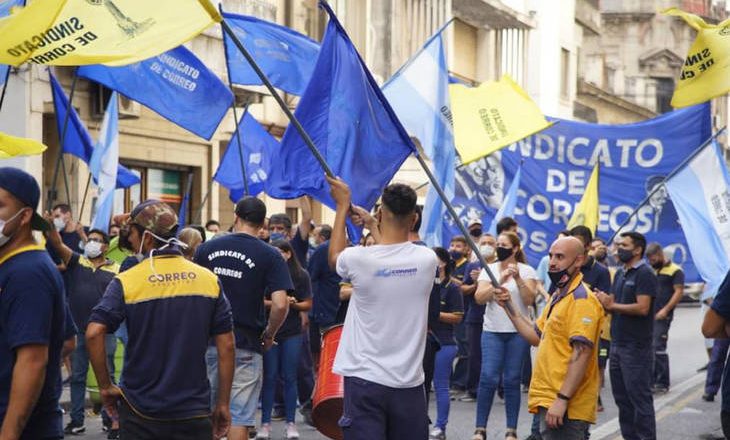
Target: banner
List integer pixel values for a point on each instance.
(558, 162)
(111, 32)
(5, 8)
(175, 84)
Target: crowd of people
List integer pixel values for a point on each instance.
(215, 324)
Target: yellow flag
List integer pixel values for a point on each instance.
(492, 116)
(11, 146)
(112, 32)
(706, 70)
(586, 213)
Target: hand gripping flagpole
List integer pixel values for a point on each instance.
(664, 181)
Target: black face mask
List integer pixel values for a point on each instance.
(503, 253)
(562, 277)
(476, 233)
(658, 265)
(600, 256)
(456, 255)
(625, 255)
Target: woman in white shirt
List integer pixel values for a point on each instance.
(503, 348)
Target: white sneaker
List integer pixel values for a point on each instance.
(264, 432)
(437, 434)
(291, 431)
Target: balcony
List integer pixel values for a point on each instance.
(588, 15)
(492, 14)
(632, 9)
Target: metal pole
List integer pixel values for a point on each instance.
(199, 214)
(83, 201)
(62, 139)
(279, 100)
(5, 87)
(667, 177)
(240, 147)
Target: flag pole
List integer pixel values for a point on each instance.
(62, 139)
(83, 201)
(677, 169)
(5, 87)
(199, 214)
(277, 97)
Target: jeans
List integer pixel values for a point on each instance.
(305, 371)
(473, 337)
(246, 389)
(716, 366)
(80, 369)
(502, 356)
(133, 426)
(631, 377)
(429, 362)
(569, 430)
(281, 360)
(661, 358)
(442, 372)
(459, 375)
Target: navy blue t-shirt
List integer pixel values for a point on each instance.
(301, 248)
(247, 268)
(451, 302)
(72, 240)
(33, 311)
(639, 279)
(325, 288)
(474, 312)
(721, 306)
(292, 325)
(596, 276)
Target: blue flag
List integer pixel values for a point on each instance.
(351, 124)
(507, 208)
(700, 192)
(175, 84)
(104, 163)
(182, 215)
(258, 147)
(77, 141)
(5, 7)
(419, 94)
(285, 56)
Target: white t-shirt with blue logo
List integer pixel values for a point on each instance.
(384, 336)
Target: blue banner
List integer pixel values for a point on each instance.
(558, 162)
(285, 56)
(175, 84)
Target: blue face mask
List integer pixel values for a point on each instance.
(276, 236)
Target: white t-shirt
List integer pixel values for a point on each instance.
(384, 336)
(495, 317)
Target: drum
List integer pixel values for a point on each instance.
(330, 388)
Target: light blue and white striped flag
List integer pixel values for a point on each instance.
(700, 192)
(104, 163)
(419, 94)
(507, 209)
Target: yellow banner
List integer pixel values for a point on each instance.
(112, 32)
(11, 146)
(492, 116)
(586, 213)
(706, 70)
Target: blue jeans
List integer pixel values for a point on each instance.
(80, 369)
(281, 360)
(716, 365)
(459, 376)
(246, 389)
(631, 379)
(502, 356)
(441, 374)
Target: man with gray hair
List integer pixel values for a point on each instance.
(670, 289)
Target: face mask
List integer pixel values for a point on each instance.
(5, 238)
(312, 242)
(657, 265)
(561, 278)
(276, 236)
(625, 255)
(503, 253)
(456, 255)
(92, 249)
(59, 224)
(487, 251)
(476, 233)
(600, 256)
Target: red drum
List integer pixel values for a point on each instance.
(330, 388)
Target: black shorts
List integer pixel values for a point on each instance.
(604, 351)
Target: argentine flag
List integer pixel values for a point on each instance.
(700, 192)
(419, 94)
(104, 163)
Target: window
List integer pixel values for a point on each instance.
(565, 73)
(664, 91)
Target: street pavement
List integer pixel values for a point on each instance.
(681, 414)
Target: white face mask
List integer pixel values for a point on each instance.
(59, 224)
(5, 238)
(92, 249)
(312, 242)
(487, 251)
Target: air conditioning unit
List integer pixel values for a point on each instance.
(100, 95)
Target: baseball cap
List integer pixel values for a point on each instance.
(155, 216)
(24, 188)
(474, 223)
(251, 209)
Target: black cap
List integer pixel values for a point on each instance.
(251, 209)
(24, 188)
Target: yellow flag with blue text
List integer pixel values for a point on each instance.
(111, 32)
(706, 70)
(492, 116)
(586, 213)
(11, 146)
